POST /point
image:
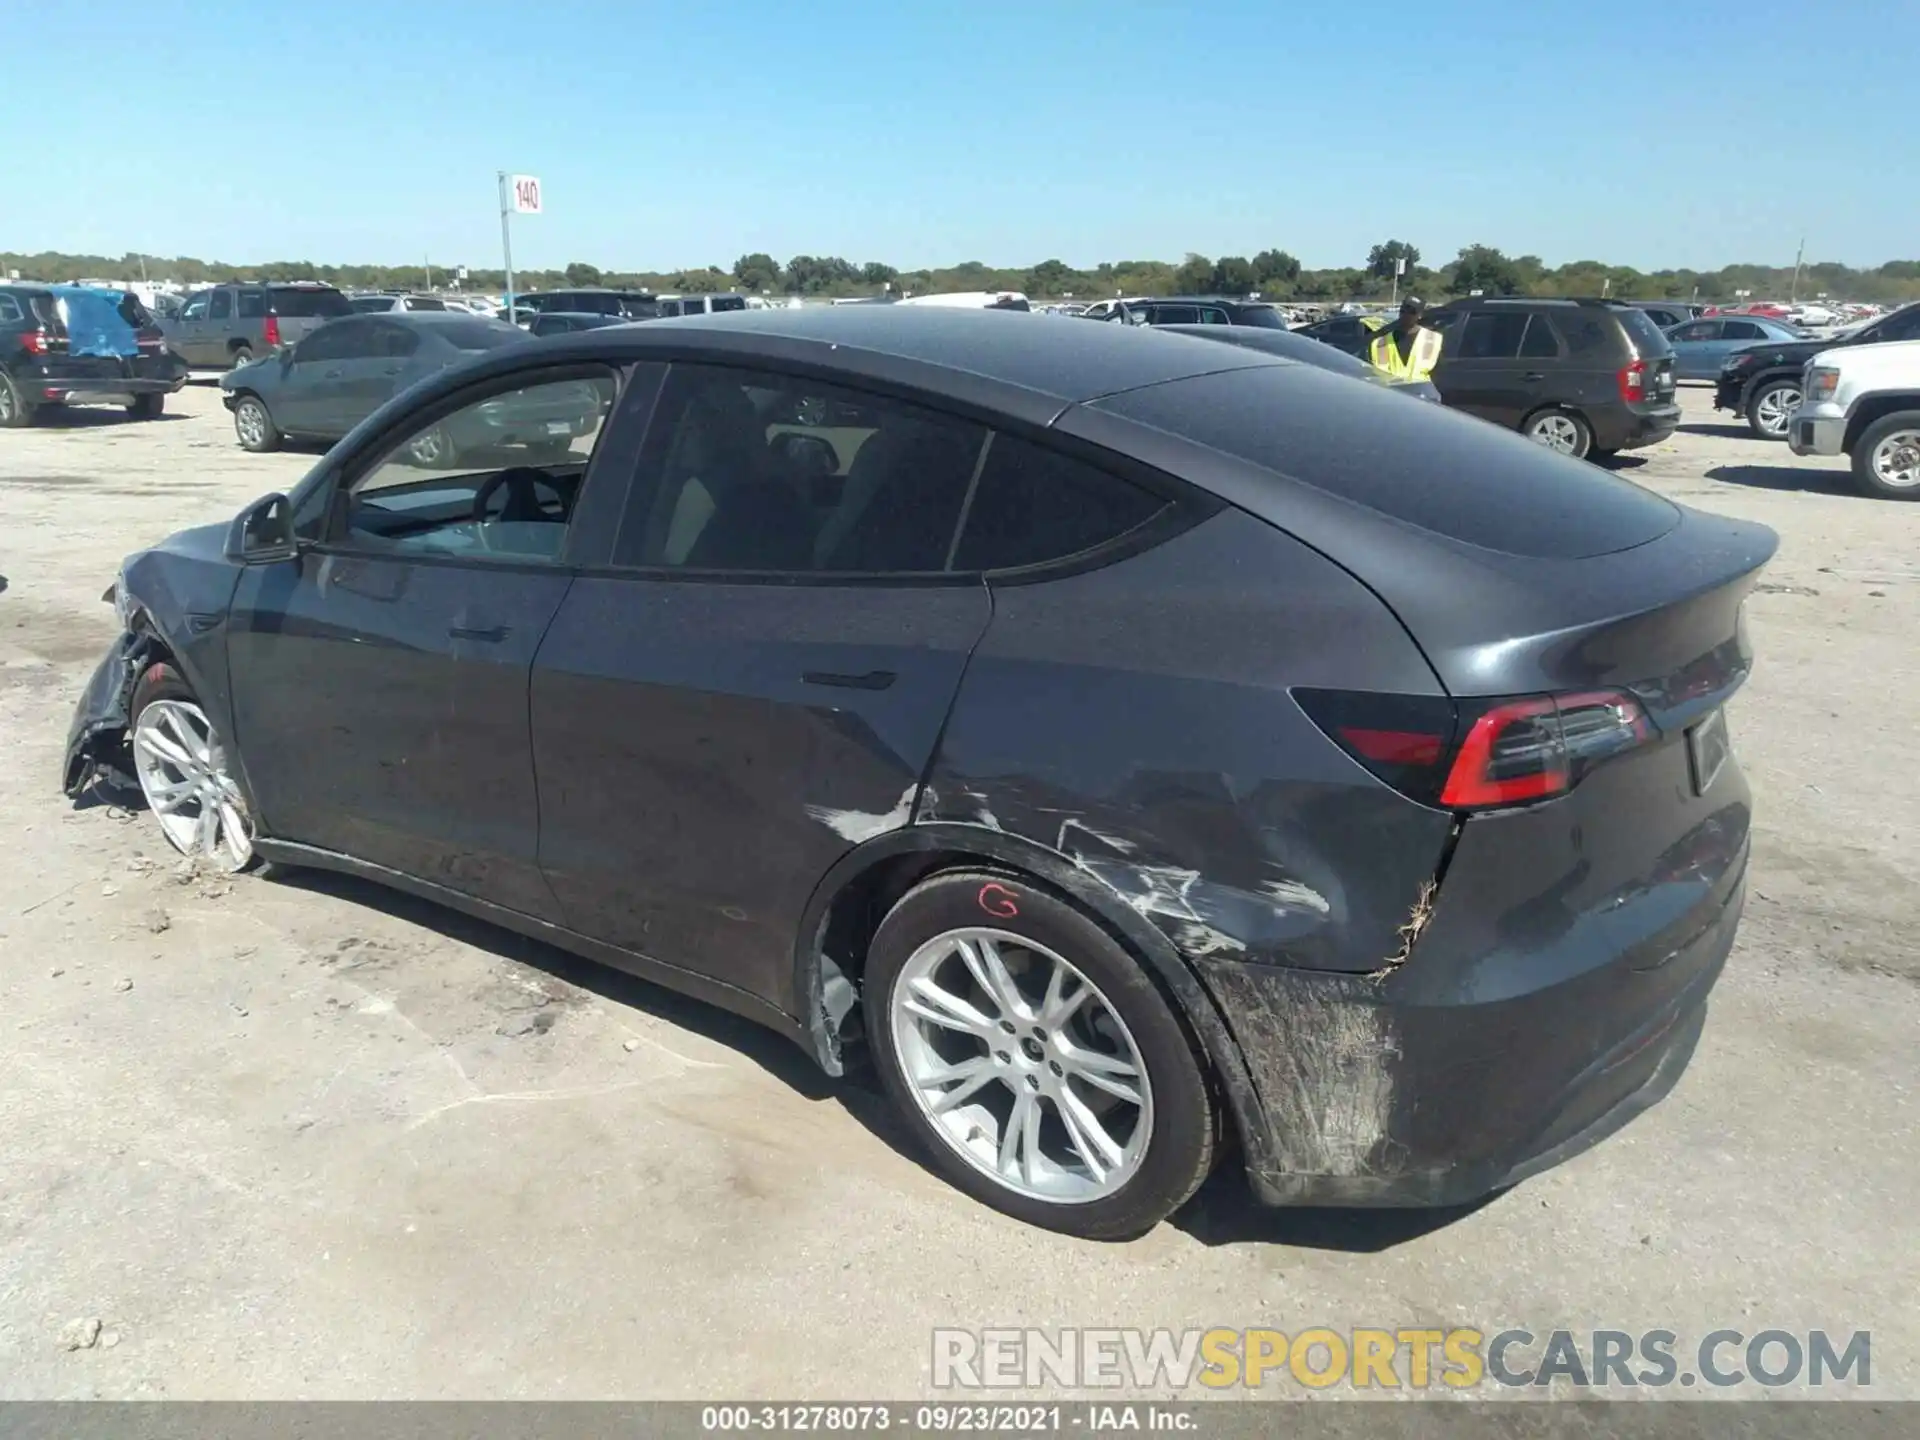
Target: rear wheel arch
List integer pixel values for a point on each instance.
(856, 894)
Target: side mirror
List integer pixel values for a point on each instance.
(262, 534)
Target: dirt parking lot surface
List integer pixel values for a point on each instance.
(309, 1138)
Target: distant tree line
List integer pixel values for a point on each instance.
(1271, 273)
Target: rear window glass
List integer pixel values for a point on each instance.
(478, 334)
(1420, 464)
(1035, 505)
(1646, 336)
(727, 302)
(641, 308)
(298, 304)
(425, 302)
(1264, 315)
(253, 304)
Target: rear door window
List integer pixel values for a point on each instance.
(1743, 330)
(729, 302)
(1175, 315)
(253, 304)
(1492, 335)
(196, 307)
(221, 307)
(1419, 464)
(1539, 343)
(754, 473)
(1033, 505)
(1698, 330)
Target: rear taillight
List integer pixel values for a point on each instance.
(34, 342)
(273, 332)
(1484, 754)
(1633, 381)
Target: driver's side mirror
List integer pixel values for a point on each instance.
(262, 534)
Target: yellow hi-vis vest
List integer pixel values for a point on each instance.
(1385, 355)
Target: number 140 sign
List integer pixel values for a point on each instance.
(526, 194)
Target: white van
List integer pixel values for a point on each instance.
(671, 305)
(973, 300)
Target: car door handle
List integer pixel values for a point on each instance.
(1533, 377)
(331, 374)
(490, 635)
(391, 370)
(872, 680)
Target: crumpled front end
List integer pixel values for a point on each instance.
(97, 738)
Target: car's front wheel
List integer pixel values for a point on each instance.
(186, 772)
(1886, 458)
(1560, 430)
(253, 425)
(1042, 1068)
(1771, 406)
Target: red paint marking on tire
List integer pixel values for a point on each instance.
(997, 900)
(156, 672)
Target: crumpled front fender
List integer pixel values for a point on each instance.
(97, 738)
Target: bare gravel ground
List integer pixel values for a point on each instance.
(311, 1139)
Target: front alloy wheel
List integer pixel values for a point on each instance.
(1772, 408)
(1021, 1065)
(184, 774)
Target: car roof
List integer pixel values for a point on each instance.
(1198, 300)
(980, 354)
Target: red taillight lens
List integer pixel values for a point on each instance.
(34, 342)
(1531, 749)
(1633, 381)
(1489, 753)
(273, 332)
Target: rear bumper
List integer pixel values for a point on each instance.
(55, 384)
(1630, 429)
(1557, 991)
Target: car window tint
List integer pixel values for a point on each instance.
(1584, 334)
(1539, 342)
(338, 341)
(728, 302)
(10, 309)
(1901, 325)
(195, 308)
(495, 480)
(1699, 330)
(221, 307)
(1420, 464)
(394, 342)
(297, 302)
(1210, 316)
(1648, 342)
(1264, 316)
(1743, 330)
(1033, 505)
(1492, 335)
(1441, 319)
(1175, 315)
(253, 304)
(758, 473)
(425, 302)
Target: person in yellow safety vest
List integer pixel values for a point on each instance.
(1408, 351)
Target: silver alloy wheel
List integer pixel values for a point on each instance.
(183, 773)
(242, 357)
(250, 419)
(1772, 409)
(1556, 432)
(1896, 460)
(1021, 1065)
(7, 401)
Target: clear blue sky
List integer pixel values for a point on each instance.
(678, 134)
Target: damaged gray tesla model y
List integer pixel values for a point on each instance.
(1135, 747)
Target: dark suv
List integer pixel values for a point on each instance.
(1197, 310)
(1584, 377)
(224, 327)
(65, 345)
(1762, 382)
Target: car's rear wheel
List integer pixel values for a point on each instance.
(1770, 407)
(15, 412)
(242, 355)
(1886, 458)
(1560, 430)
(186, 772)
(147, 407)
(1042, 1068)
(253, 424)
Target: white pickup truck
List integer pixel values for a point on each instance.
(1863, 402)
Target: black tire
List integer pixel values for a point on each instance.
(1602, 457)
(242, 355)
(15, 412)
(147, 407)
(1867, 454)
(1181, 1147)
(161, 681)
(253, 425)
(1764, 396)
(434, 449)
(1582, 432)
